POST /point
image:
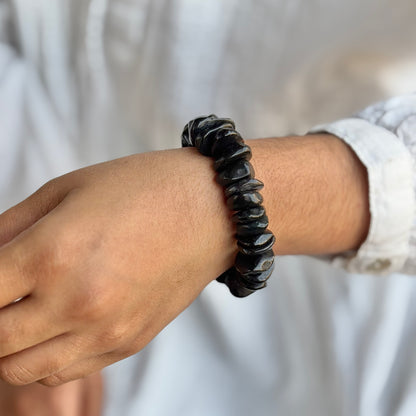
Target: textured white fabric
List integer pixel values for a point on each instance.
(88, 80)
(399, 116)
(390, 166)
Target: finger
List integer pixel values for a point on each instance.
(16, 278)
(26, 213)
(81, 369)
(30, 259)
(97, 362)
(92, 401)
(43, 360)
(25, 324)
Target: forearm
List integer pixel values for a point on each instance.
(316, 193)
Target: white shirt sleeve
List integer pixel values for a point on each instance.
(384, 138)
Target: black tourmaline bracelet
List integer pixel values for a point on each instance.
(254, 263)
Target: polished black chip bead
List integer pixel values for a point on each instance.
(188, 133)
(257, 281)
(237, 202)
(252, 228)
(235, 172)
(201, 132)
(205, 141)
(231, 154)
(226, 140)
(251, 251)
(256, 244)
(257, 240)
(212, 121)
(237, 286)
(258, 263)
(238, 290)
(248, 215)
(245, 185)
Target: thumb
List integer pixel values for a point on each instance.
(23, 215)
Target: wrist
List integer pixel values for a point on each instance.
(198, 215)
(211, 221)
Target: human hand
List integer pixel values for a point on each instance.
(104, 258)
(77, 398)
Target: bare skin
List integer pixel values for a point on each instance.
(105, 257)
(77, 398)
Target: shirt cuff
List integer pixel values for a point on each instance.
(391, 196)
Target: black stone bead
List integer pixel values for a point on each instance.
(245, 185)
(236, 285)
(256, 243)
(226, 139)
(251, 251)
(188, 134)
(257, 281)
(206, 138)
(248, 215)
(240, 291)
(222, 278)
(251, 284)
(252, 265)
(201, 132)
(238, 202)
(232, 153)
(212, 121)
(252, 228)
(239, 170)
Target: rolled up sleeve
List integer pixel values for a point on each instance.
(383, 137)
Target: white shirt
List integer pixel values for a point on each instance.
(88, 80)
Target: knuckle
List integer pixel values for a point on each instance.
(91, 304)
(47, 197)
(7, 337)
(53, 380)
(46, 260)
(40, 260)
(21, 258)
(16, 375)
(115, 335)
(54, 255)
(52, 365)
(87, 310)
(95, 308)
(95, 315)
(48, 187)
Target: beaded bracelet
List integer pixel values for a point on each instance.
(254, 263)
